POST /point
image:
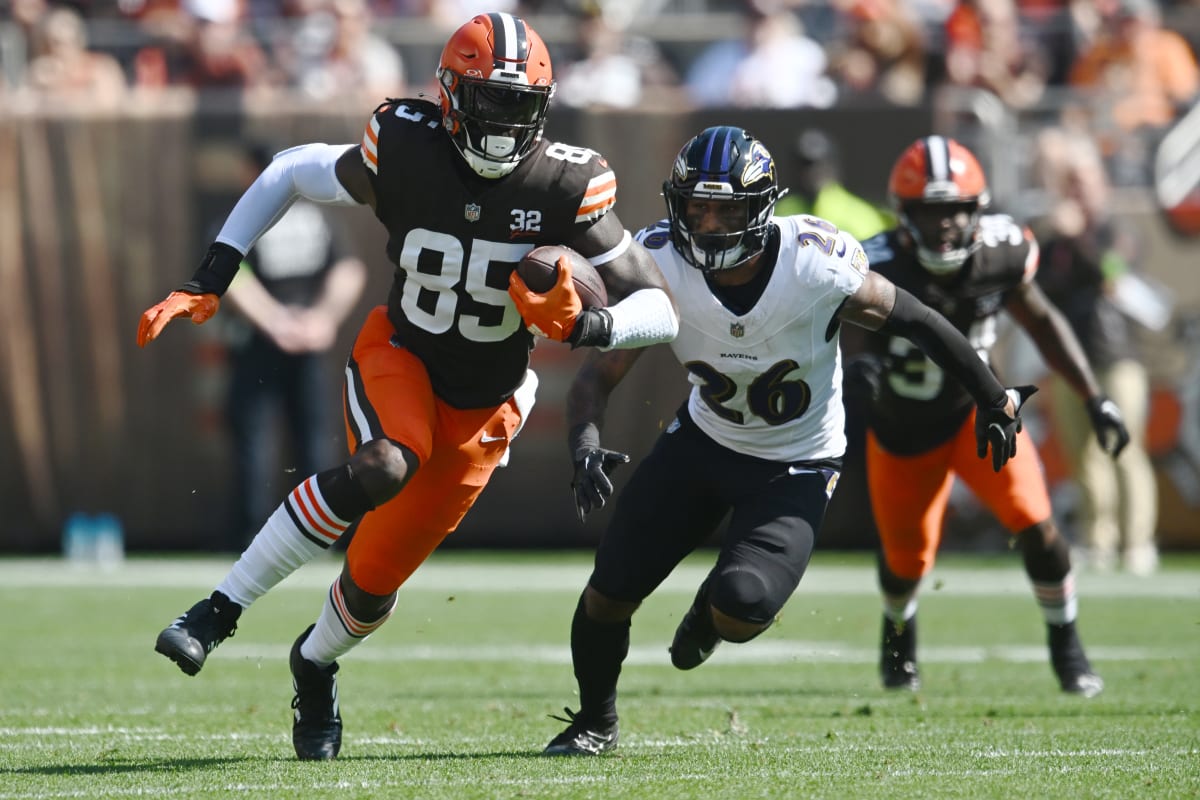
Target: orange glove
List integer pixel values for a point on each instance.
(200, 307)
(551, 314)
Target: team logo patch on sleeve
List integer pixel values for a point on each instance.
(859, 261)
(600, 196)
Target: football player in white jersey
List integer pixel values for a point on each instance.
(761, 434)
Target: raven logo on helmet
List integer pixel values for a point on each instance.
(727, 165)
(496, 83)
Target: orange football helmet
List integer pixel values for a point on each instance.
(938, 190)
(496, 83)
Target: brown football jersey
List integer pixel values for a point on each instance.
(455, 238)
(919, 405)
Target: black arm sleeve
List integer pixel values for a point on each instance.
(215, 272)
(946, 346)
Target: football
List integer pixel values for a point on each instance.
(539, 270)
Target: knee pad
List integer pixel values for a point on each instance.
(744, 595)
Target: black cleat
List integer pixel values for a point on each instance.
(189, 639)
(1070, 664)
(317, 727)
(696, 638)
(898, 663)
(582, 738)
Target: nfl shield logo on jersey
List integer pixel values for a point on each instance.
(471, 212)
(737, 330)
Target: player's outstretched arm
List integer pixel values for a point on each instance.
(1060, 348)
(587, 400)
(880, 305)
(642, 310)
(311, 171)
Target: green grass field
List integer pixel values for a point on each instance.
(451, 698)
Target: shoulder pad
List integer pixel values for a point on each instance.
(584, 173)
(1014, 244)
(390, 115)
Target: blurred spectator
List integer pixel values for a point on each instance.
(64, 68)
(882, 52)
(614, 69)
(774, 66)
(451, 13)
(816, 189)
(1142, 75)
(221, 54)
(985, 50)
(333, 53)
(1087, 255)
(296, 287)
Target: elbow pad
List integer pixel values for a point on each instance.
(643, 318)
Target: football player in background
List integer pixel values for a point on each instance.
(969, 266)
(761, 300)
(438, 383)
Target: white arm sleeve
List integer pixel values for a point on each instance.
(305, 171)
(641, 319)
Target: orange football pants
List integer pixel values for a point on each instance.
(910, 493)
(458, 450)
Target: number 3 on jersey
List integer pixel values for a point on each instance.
(770, 396)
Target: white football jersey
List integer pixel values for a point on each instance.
(768, 383)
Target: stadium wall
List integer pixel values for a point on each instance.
(101, 215)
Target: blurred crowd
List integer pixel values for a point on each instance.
(1118, 71)
(749, 53)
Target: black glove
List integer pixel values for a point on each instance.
(995, 428)
(1108, 424)
(593, 466)
(593, 328)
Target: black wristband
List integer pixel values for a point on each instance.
(581, 438)
(593, 328)
(946, 346)
(215, 272)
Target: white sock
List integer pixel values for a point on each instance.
(1057, 600)
(337, 632)
(300, 528)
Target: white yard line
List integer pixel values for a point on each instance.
(566, 576)
(758, 652)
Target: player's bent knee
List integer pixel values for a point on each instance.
(742, 600)
(1046, 555)
(605, 609)
(382, 467)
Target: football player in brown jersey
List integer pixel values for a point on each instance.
(438, 383)
(970, 266)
